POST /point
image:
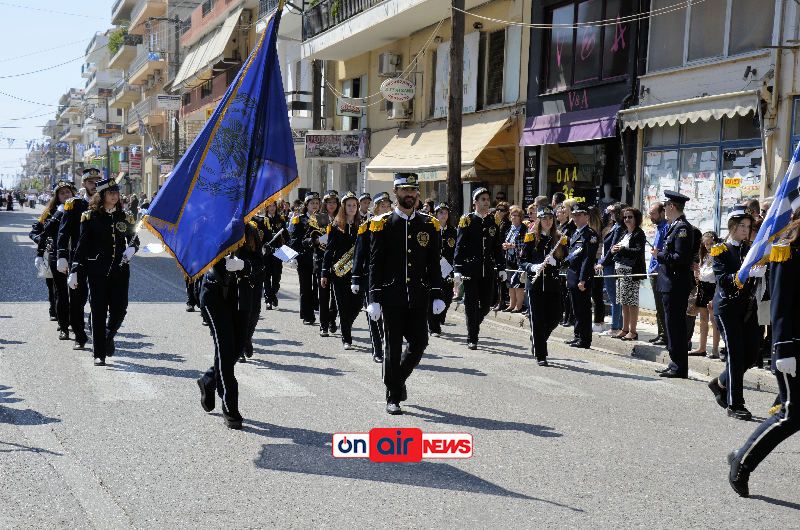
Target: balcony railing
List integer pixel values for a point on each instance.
(143, 109)
(122, 86)
(329, 13)
(142, 5)
(142, 57)
(265, 7)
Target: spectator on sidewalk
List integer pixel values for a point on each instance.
(566, 226)
(501, 217)
(657, 217)
(628, 262)
(558, 200)
(512, 246)
(598, 305)
(706, 284)
(611, 234)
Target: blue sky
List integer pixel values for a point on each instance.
(38, 34)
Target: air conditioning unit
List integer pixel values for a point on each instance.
(399, 111)
(389, 64)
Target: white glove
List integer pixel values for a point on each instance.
(502, 275)
(787, 366)
(758, 272)
(551, 261)
(438, 307)
(233, 264)
(60, 208)
(374, 311)
(72, 280)
(534, 268)
(38, 262)
(458, 278)
(292, 263)
(62, 266)
(355, 288)
(128, 254)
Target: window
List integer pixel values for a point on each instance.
(119, 112)
(494, 67)
(590, 52)
(716, 28)
(351, 88)
(661, 136)
(208, 5)
(205, 90)
(741, 127)
(186, 98)
(795, 124)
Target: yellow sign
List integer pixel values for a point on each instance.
(732, 182)
(209, 112)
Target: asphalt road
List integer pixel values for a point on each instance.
(593, 441)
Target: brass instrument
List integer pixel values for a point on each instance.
(345, 264)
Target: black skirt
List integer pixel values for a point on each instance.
(705, 293)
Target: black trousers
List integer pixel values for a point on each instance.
(77, 301)
(248, 311)
(598, 305)
(109, 305)
(675, 305)
(376, 329)
(478, 294)
(191, 294)
(220, 306)
(659, 307)
(272, 279)
(544, 311)
(776, 428)
(51, 295)
(567, 315)
(435, 321)
(741, 334)
(327, 307)
(348, 304)
(582, 312)
(305, 273)
(62, 298)
(402, 323)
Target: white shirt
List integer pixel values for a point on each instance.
(399, 212)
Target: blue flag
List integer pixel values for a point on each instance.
(241, 160)
(787, 199)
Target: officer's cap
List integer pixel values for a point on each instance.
(310, 196)
(442, 206)
(406, 180)
(330, 194)
(107, 185)
(91, 173)
(64, 184)
(740, 212)
(349, 195)
(543, 211)
(364, 196)
(674, 196)
(579, 207)
(382, 196)
(477, 193)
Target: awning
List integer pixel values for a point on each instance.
(208, 51)
(690, 110)
(567, 127)
(488, 147)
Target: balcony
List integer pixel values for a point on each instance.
(124, 94)
(370, 24)
(146, 63)
(121, 11)
(102, 79)
(74, 132)
(87, 69)
(148, 111)
(143, 10)
(126, 53)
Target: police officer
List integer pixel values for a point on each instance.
(106, 244)
(785, 292)
(219, 301)
(448, 238)
(305, 230)
(274, 237)
(735, 309)
(360, 277)
(542, 249)
(68, 232)
(404, 276)
(581, 258)
(327, 302)
(675, 279)
(478, 262)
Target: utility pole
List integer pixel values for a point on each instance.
(455, 103)
(177, 64)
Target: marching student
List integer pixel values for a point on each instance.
(448, 248)
(275, 224)
(327, 302)
(305, 231)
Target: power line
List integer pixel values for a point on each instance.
(28, 100)
(43, 69)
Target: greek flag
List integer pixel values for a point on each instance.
(787, 199)
(241, 160)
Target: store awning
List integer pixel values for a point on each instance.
(568, 127)
(488, 146)
(208, 51)
(690, 110)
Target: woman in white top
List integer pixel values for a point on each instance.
(706, 283)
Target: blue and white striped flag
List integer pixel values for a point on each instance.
(787, 199)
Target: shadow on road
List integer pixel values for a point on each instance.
(271, 343)
(304, 354)
(450, 370)
(448, 418)
(777, 502)
(3, 342)
(125, 366)
(263, 363)
(20, 417)
(602, 373)
(18, 448)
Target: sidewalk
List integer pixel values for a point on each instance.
(754, 379)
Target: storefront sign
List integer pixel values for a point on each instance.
(123, 166)
(168, 102)
(530, 176)
(397, 90)
(113, 127)
(103, 133)
(351, 107)
(336, 145)
(441, 88)
(136, 163)
(732, 182)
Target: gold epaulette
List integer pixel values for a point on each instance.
(253, 224)
(327, 229)
(718, 249)
(130, 219)
(363, 228)
(436, 223)
(464, 221)
(780, 253)
(267, 224)
(376, 225)
(85, 216)
(529, 237)
(68, 204)
(296, 219)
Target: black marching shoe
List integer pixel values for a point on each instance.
(242, 358)
(78, 345)
(655, 339)
(378, 358)
(248, 349)
(275, 301)
(99, 362)
(53, 318)
(740, 413)
(110, 347)
(206, 397)
(63, 335)
(189, 308)
(542, 362)
(233, 420)
(403, 393)
(738, 476)
(393, 408)
(333, 327)
(572, 342)
(323, 333)
(663, 370)
(472, 345)
(719, 393)
(582, 345)
(673, 374)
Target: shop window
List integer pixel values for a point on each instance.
(702, 131)
(659, 173)
(186, 98)
(717, 28)
(208, 5)
(740, 128)
(698, 181)
(587, 53)
(656, 136)
(577, 170)
(741, 180)
(205, 90)
(495, 60)
(796, 124)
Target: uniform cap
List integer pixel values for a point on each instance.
(674, 196)
(382, 196)
(442, 206)
(91, 172)
(349, 195)
(64, 184)
(330, 194)
(107, 185)
(544, 210)
(477, 193)
(364, 196)
(310, 197)
(579, 207)
(739, 212)
(406, 180)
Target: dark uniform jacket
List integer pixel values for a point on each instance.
(103, 239)
(533, 253)
(339, 243)
(305, 233)
(785, 286)
(448, 236)
(404, 260)
(218, 277)
(272, 226)
(675, 259)
(70, 228)
(728, 260)
(46, 240)
(360, 272)
(581, 257)
(479, 251)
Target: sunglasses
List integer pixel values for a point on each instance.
(626, 217)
